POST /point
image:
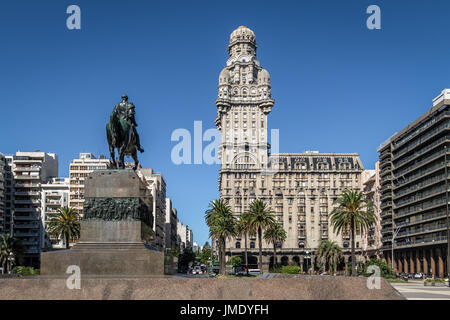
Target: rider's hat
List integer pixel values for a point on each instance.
(124, 96)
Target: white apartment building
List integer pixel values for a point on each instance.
(54, 195)
(30, 170)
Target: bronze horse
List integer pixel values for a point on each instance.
(122, 135)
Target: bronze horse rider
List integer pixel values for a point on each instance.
(121, 133)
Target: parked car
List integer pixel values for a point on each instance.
(418, 276)
(197, 270)
(254, 272)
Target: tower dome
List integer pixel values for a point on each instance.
(242, 35)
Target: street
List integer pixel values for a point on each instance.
(415, 290)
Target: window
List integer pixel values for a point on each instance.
(238, 245)
(252, 244)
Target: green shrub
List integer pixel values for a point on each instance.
(435, 280)
(276, 268)
(385, 269)
(235, 261)
(291, 269)
(26, 271)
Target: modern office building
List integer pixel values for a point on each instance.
(414, 192)
(299, 187)
(31, 170)
(79, 169)
(371, 241)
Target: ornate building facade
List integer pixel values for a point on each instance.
(299, 187)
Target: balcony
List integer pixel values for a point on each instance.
(26, 209)
(421, 230)
(26, 177)
(26, 234)
(421, 163)
(27, 193)
(420, 152)
(423, 219)
(419, 186)
(26, 168)
(26, 225)
(405, 145)
(421, 242)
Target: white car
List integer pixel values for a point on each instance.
(254, 272)
(197, 270)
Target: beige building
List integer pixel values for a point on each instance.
(185, 236)
(371, 242)
(78, 171)
(156, 183)
(299, 187)
(171, 225)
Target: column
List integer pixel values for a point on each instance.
(426, 268)
(418, 266)
(405, 262)
(433, 263)
(395, 264)
(399, 262)
(411, 262)
(388, 260)
(440, 263)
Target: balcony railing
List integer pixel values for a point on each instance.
(421, 185)
(419, 197)
(418, 153)
(404, 145)
(422, 162)
(421, 230)
(414, 242)
(423, 218)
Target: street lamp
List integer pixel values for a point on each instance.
(394, 235)
(307, 257)
(11, 260)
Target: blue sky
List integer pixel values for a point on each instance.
(338, 87)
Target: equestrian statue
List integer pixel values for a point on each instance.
(122, 135)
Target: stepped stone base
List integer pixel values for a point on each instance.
(172, 288)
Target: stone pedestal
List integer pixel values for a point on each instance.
(116, 227)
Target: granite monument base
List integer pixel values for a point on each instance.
(106, 248)
(116, 223)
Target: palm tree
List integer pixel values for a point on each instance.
(8, 245)
(65, 224)
(275, 234)
(354, 212)
(222, 225)
(243, 228)
(261, 217)
(329, 253)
